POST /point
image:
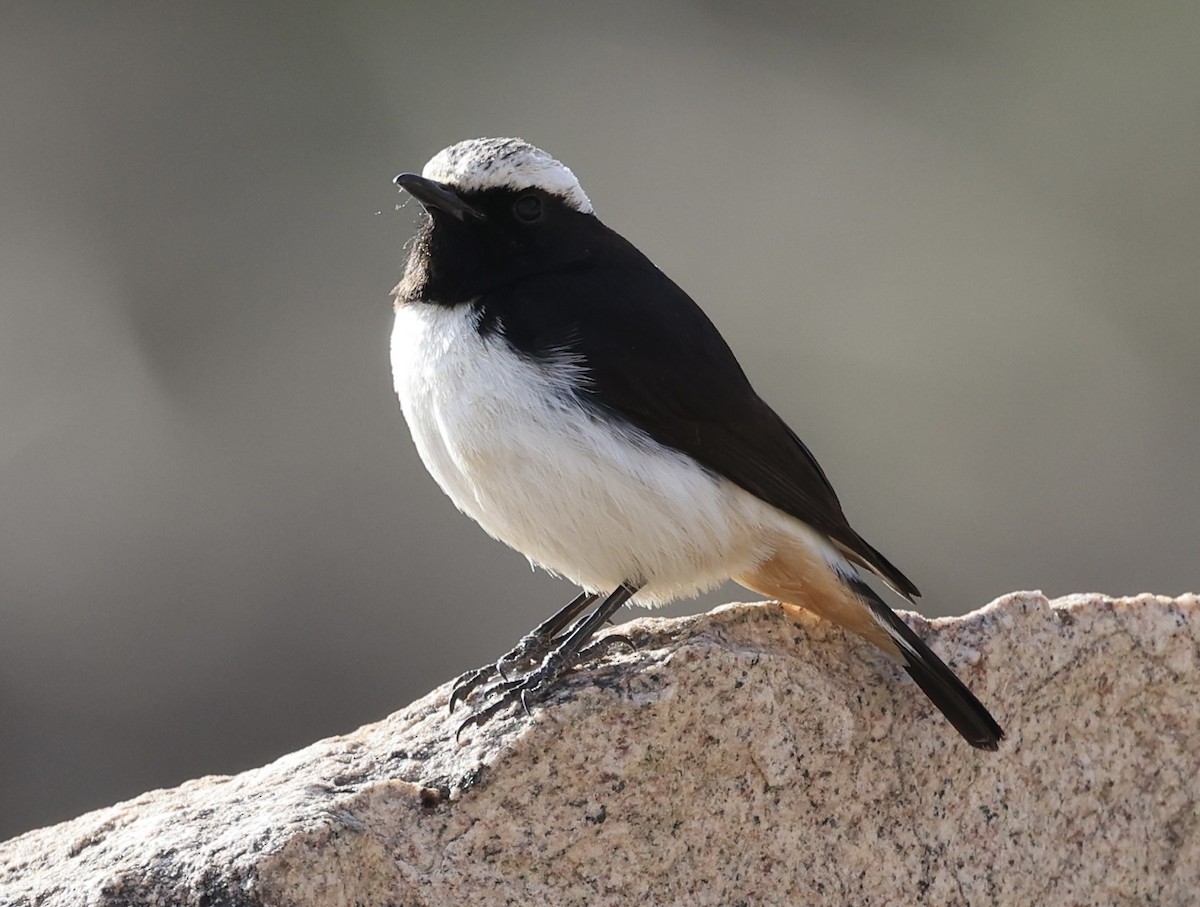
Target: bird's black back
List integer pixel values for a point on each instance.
(653, 359)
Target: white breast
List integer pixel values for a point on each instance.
(506, 440)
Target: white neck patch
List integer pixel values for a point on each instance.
(479, 164)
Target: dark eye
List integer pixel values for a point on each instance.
(528, 208)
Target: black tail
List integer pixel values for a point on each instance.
(947, 692)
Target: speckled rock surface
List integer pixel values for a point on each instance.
(740, 757)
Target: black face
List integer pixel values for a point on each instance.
(457, 256)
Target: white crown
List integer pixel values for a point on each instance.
(479, 164)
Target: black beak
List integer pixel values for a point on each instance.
(435, 196)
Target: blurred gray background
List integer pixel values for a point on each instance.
(956, 246)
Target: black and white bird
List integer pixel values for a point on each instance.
(580, 407)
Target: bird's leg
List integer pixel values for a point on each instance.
(567, 654)
(530, 649)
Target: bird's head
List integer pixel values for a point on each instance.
(497, 210)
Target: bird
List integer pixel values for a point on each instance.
(578, 405)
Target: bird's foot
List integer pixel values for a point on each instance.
(527, 690)
(535, 685)
(532, 648)
(529, 651)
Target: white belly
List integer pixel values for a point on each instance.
(505, 439)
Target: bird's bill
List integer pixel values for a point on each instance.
(436, 197)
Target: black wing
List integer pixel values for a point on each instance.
(655, 360)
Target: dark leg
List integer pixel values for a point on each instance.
(537, 683)
(532, 648)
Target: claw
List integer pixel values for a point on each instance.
(479, 718)
(466, 684)
(602, 647)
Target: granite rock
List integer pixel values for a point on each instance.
(744, 756)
